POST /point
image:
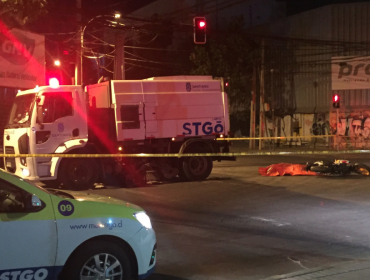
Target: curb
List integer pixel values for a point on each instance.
(324, 271)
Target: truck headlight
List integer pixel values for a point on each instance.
(143, 219)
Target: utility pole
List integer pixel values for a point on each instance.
(79, 44)
(273, 107)
(119, 57)
(252, 130)
(262, 95)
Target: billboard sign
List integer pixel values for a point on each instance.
(350, 72)
(22, 58)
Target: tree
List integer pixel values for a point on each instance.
(230, 55)
(19, 12)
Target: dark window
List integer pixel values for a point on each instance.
(56, 105)
(11, 198)
(130, 116)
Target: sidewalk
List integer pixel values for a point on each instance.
(350, 270)
(243, 147)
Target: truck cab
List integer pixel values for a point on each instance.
(40, 114)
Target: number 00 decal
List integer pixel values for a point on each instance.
(66, 208)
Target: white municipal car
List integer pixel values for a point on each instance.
(52, 234)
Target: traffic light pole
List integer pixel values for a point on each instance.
(337, 129)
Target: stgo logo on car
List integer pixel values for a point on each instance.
(28, 274)
(207, 128)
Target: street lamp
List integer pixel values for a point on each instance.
(79, 72)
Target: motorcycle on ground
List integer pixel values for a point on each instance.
(338, 167)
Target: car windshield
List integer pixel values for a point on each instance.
(20, 114)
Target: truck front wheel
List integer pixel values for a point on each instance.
(195, 168)
(78, 173)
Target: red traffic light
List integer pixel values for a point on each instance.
(199, 24)
(226, 83)
(202, 24)
(336, 103)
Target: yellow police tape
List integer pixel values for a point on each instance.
(278, 137)
(186, 155)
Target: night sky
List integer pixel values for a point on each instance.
(61, 16)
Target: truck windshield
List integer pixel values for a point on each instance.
(20, 114)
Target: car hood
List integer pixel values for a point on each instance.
(86, 196)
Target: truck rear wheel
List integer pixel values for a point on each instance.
(78, 173)
(195, 168)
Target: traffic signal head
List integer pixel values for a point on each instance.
(199, 24)
(336, 102)
(226, 84)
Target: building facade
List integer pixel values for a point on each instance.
(301, 52)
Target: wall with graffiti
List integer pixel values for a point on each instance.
(353, 129)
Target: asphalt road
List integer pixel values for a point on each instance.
(240, 225)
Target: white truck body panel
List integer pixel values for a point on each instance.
(170, 107)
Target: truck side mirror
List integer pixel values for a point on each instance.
(39, 112)
(40, 117)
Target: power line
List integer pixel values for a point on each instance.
(142, 66)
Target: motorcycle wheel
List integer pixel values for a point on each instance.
(361, 169)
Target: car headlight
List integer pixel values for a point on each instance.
(143, 219)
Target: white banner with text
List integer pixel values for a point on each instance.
(22, 58)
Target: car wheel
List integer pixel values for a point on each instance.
(98, 260)
(78, 174)
(361, 169)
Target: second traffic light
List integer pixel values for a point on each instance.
(199, 24)
(336, 102)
